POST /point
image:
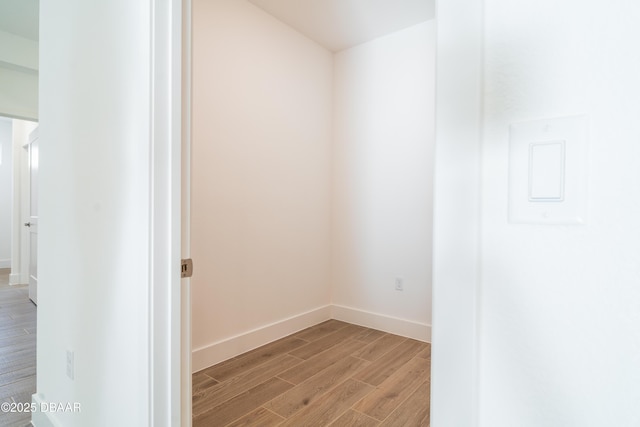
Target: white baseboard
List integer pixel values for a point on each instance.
(5, 263)
(226, 349)
(220, 351)
(392, 325)
(17, 279)
(42, 419)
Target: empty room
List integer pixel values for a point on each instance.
(534, 323)
(311, 211)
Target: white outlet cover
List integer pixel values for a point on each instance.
(548, 171)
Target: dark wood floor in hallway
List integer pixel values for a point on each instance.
(17, 349)
(332, 374)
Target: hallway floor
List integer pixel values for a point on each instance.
(332, 374)
(17, 349)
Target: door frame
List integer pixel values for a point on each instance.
(169, 323)
(20, 201)
(34, 136)
(455, 377)
(185, 206)
(457, 228)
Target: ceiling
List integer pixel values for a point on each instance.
(20, 17)
(335, 24)
(341, 24)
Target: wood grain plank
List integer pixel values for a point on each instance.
(321, 330)
(15, 303)
(17, 364)
(17, 354)
(331, 340)
(322, 360)
(7, 344)
(12, 332)
(20, 351)
(394, 390)
(21, 315)
(242, 404)
(219, 393)
(426, 421)
(25, 395)
(335, 385)
(414, 412)
(21, 305)
(426, 352)
(17, 350)
(310, 390)
(18, 320)
(386, 365)
(330, 406)
(28, 370)
(25, 385)
(261, 417)
(16, 419)
(353, 418)
(200, 382)
(380, 347)
(13, 292)
(225, 370)
(369, 335)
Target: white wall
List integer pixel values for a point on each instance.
(382, 181)
(560, 305)
(260, 179)
(5, 191)
(94, 231)
(18, 76)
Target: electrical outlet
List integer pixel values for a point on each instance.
(399, 284)
(70, 364)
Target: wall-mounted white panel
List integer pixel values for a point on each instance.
(548, 171)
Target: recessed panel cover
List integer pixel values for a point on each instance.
(548, 171)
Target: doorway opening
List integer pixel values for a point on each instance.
(17, 263)
(19, 34)
(310, 178)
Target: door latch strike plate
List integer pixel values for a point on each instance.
(186, 270)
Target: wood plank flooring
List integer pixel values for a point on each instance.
(17, 349)
(332, 374)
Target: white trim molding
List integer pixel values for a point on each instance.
(165, 221)
(381, 322)
(40, 418)
(18, 279)
(226, 349)
(185, 287)
(220, 351)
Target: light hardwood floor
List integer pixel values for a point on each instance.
(332, 374)
(17, 349)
